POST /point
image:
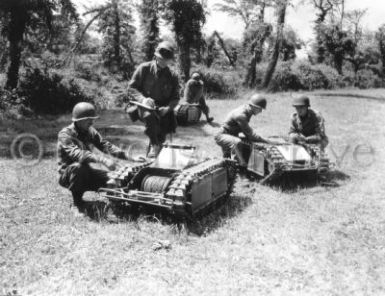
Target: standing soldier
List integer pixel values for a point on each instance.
(307, 125)
(193, 94)
(237, 121)
(75, 156)
(154, 85)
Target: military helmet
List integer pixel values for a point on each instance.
(257, 101)
(301, 101)
(83, 110)
(165, 50)
(196, 76)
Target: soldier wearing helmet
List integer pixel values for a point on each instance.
(237, 122)
(193, 94)
(75, 154)
(155, 85)
(307, 125)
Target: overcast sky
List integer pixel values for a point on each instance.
(299, 17)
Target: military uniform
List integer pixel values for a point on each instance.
(75, 155)
(193, 94)
(161, 85)
(236, 122)
(312, 126)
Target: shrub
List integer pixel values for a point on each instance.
(333, 79)
(367, 79)
(219, 82)
(309, 76)
(284, 79)
(48, 93)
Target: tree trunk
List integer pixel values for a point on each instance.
(15, 37)
(117, 57)
(222, 44)
(277, 46)
(184, 61)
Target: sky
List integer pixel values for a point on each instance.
(300, 17)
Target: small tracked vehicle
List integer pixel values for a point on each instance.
(270, 162)
(178, 181)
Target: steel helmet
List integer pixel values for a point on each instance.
(301, 101)
(196, 76)
(257, 101)
(83, 110)
(165, 50)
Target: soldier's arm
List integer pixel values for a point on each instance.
(69, 145)
(249, 132)
(134, 90)
(319, 130)
(106, 146)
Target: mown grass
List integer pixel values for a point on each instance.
(264, 241)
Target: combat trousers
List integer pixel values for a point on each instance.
(156, 127)
(79, 178)
(202, 105)
(230, 144)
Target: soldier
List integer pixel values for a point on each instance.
(237, 121)
(193, 94)
(75, 155)
(154, 85)
(307, 125)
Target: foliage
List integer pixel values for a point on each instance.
(20, 18)
(150, 26)
(116, 26)
(219, 81)
(187, 18)
(284, 79)
(380, 37)
(49, 93)
(367, 79)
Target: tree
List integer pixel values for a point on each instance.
(17, 17)
(281, 9)
(290, 42)
(150, 26)
(246, 10)
(187, 18)
(380, 37)
(115, 25)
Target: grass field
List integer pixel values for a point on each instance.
(263, 241)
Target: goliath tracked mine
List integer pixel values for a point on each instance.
(273, 161)
(177, 181)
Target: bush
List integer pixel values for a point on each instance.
(47, 93)
(333, 79)
(309, 76)
(284, 79)
(219, 82)
(367, 79)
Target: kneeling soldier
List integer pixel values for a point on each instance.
(307, 125)
(237, 121)
(75, 156)
(193, 94)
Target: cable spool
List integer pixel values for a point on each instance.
(154, 184)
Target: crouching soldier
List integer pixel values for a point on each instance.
(153, 84)
(307, 125)
(74, 151)
(193, 94)
(237, 121)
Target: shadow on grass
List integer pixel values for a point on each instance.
(210, 219)
(297, 181)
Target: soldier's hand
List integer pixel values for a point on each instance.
(164, 110)
(149, 102)
(109, 163)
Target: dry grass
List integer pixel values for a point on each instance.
(265, 241)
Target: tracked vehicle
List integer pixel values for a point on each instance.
(178, 181)
(273, 161)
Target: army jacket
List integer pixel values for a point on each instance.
(237, 121)
(193, 91)
(311, 126)
(76, 146)
(150, 81)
